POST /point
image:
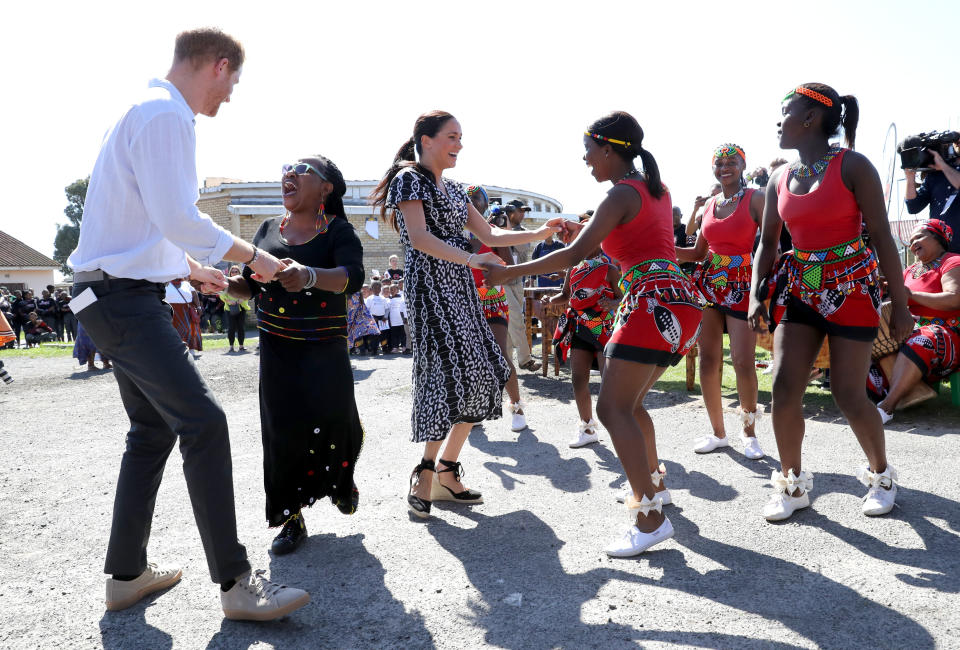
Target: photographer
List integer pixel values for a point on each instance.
(938, 190)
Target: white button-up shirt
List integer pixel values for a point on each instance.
(140, 217)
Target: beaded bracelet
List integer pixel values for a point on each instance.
(256, 254)
(348, 279)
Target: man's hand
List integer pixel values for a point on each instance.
(207, 279)
(551, 227)
(266, 267)
(938, 163)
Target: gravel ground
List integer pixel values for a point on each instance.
(523, 570)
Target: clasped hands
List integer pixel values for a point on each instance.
(494, 270)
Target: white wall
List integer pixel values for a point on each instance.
(34, 279)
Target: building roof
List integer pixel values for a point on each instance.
(14, 253)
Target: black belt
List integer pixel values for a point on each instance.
(109, 283)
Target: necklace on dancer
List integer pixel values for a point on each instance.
(920, 268)
(800, 170)
(322, 222)
(733, 199)
(629, 173)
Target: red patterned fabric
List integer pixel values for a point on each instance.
(585, 319)
(493, 300)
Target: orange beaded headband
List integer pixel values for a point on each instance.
(812, 94)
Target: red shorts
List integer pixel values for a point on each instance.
(724, 281)
(658, 320)
(835, 290)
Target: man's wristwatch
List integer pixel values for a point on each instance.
(256, 254)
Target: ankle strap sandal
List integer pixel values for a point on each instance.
(419, 507)
(440, 492)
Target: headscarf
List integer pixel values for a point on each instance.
(938, 229)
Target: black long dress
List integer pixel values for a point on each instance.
(311, 430)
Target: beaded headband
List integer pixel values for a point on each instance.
(606, 139)
(812, 94)
(938, 229)
(474, 189)
(726, 150)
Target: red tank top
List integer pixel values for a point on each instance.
(477, 273)
(735, 233)
(931, 282)
(827, 216)
(648, 236)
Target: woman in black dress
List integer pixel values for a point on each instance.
(458, 369)
(311, 429)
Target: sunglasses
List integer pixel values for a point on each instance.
(302, 168)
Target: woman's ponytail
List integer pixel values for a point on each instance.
(652, 171)
(851, 117)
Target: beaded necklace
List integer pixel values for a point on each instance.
(800, 170)
(321, 217)
(725, 202)
(919, 269)
(625, 176)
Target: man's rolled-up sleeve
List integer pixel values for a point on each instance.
(163, 157)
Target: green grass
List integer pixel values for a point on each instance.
(56, 350)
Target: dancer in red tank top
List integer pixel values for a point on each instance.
(658, 319)
(730, 224)
(826, 286)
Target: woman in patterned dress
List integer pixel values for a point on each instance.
(458, 369)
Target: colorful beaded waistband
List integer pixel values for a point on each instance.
(648, 269)
(953, 323)
(839, 253)
(730, 261)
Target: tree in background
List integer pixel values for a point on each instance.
(69, 234)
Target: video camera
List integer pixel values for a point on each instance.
(915, 149)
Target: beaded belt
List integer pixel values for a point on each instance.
(650, 270)
(810, 265)
(730, 261)
(953, 323)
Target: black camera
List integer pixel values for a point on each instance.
(915, 149)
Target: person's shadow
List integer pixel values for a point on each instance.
(350, 604)
(533, 458)
(129, 628)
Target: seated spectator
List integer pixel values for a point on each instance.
(932, 351)
(38, 331)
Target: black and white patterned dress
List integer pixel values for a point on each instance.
(458, 369)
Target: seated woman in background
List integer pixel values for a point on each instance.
(932, 351)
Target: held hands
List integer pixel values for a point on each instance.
(570, 230)
(266, 267)
(294, 277)
(480, 261)
(551, 227)
(496, 272)
(207, 279)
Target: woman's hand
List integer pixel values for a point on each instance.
(756, 316)
(551, 227)
(480, 261)
(569, 230)
(294, 277)
(901, 322)
(495, 273)
(207, 279)
(552, 300)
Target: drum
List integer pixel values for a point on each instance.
(885, 345)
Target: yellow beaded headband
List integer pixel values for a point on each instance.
(606, 139)
(812, 94)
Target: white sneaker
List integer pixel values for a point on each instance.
(883, 490)
(884, 416)
(751, 448)
(708, 443)
(586, 434)
(254, 598)
(518, 422)
(124, 593)
(781, 504)
(633, 541)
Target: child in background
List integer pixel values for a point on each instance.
(398, 318)
(378, 305)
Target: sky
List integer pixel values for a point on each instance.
(348, 79)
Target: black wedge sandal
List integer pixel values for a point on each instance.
(440, 492)
(420, 507)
